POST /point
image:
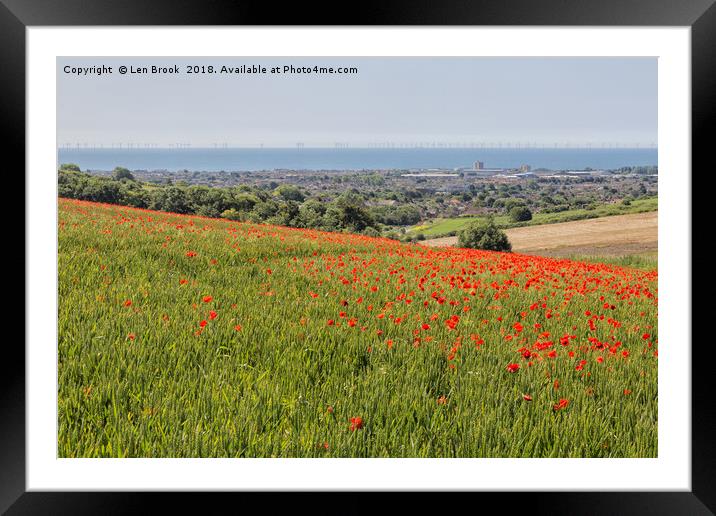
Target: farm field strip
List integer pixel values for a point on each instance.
(182, 336)
(446, 227)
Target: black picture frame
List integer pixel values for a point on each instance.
(700, 15)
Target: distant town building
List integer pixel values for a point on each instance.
(483, 172)
(478, 170)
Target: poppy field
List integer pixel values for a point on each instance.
(183, 336)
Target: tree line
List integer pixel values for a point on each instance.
(285, 205)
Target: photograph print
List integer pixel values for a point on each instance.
(424, 257)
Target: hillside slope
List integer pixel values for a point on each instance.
(181, 336)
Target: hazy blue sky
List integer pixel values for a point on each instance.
(403, 100)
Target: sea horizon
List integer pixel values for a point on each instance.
(248, 159)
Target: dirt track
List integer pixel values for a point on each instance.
(618, 235)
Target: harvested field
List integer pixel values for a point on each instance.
(619, 235)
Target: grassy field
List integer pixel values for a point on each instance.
(445, 227)
(181, 336)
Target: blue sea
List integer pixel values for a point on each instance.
(254, 159)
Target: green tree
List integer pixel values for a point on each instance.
(244, 201)
(72, 167)
(353, 215)
(511, 202)
(355, 218)
(310, 214)
(264, 210)
(396, 216)
(207, 211)
(172, 199)
(122, 173)
(290, 193)
(484, 234)
(520, 214)
(286, 214)
(101, 191)
(331, 219)
(132, 194)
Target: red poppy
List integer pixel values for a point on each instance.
(202, 323)
(356, 423)
(128, 302)
(212, 315)
(561, 405)
(512, 368)
(207, 299)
